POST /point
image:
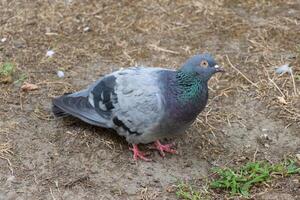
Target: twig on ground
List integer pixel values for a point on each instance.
(294, 84)
(157, 48)
(243, 75)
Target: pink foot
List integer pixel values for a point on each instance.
(162, 148)
(137, 154)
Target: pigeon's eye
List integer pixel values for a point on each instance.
(204, 63)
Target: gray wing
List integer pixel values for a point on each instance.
(131, 99)
(140, 103)
(77, 105)
(128, 101)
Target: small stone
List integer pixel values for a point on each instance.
(60, 74)
(282, 100)
(50, 53)
(3, 39)
(86, 29)
(298, 156)
(265, 136)
(267, 145)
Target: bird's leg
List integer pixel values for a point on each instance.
(162, 148)
(138, 154)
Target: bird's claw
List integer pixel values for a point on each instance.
(162, 148)
(137, 154)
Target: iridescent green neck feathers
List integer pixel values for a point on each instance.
(191, 86)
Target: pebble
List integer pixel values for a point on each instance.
(50, 53)
(60, 74)
(86, 29)
(265, 136)
(267, 145)
(3, 39)
(298, 156)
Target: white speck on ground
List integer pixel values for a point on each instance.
(50, 53)
(86, 29)
(60, 74)
(284, 69)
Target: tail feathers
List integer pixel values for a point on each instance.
(77, 106)
(58, 112)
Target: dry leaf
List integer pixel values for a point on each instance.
(6, 79)
(282, 100)
(29, 87)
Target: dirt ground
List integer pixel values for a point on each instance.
(253, 113)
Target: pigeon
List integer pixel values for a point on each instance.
(144, 104)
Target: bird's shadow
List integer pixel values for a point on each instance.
(107, 134)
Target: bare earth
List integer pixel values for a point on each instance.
(45, 158)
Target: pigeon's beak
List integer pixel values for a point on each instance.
(219, 69)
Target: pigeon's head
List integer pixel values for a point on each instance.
(202, 64)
